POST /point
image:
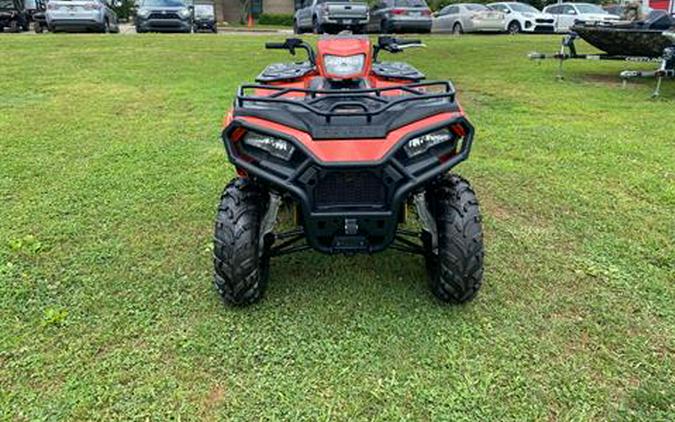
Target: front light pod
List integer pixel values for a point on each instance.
(342, 66)
(421, 144)
(276, 147)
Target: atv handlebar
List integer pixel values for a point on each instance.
(390, 44)
(394, 45)
(291, 44)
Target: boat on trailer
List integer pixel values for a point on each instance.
(649, 40)
(642, 38)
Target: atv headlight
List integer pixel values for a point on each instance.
(421, 144)
(274, 146)
(344, 65)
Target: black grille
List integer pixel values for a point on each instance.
(362, 188)
(545, 21)
(167, 15)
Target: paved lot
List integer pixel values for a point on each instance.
(128, 29)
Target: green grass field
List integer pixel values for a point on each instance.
(110, 171)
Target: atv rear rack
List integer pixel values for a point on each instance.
(354, 101)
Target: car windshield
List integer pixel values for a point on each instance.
(410, 3)
(523, 8)
(162, 3)
(203, 9)
(476, 7)
(590, 8)
(6, 4)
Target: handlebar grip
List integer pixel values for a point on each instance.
(275, 45)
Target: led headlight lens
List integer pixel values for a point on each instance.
(274, 146)
(421, 144)
(143, 13)
(184, 13)
(344, 65)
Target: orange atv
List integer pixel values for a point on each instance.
(351, 143)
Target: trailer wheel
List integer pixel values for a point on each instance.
(241, 267)
(456, 269)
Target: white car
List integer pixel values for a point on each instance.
(567, 14)
(467, 17)
(521, 17)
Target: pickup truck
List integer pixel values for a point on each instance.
(321, 16)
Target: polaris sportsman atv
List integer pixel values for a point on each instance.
(351, 144)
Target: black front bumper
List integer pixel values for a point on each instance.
(348, 207)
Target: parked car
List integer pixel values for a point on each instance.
(521, 17)
(163, 16)
(400, 16)
(38, 14)
(468, 17)
(81, 15)
(568, 13)
(614, 9)
(13, 16)
(204, 18)
(321, 16)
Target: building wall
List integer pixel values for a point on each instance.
(278, 6)
(228, 10)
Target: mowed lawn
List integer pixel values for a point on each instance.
(110, 172)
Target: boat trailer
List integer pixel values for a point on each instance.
(568, 51)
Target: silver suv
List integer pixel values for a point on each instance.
(82, 15)
(321, 16)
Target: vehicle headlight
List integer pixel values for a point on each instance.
(143, 13)
(421, 144)
(275, 146)
(184, 13)
(344, 65)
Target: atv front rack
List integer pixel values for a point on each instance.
(331, 103)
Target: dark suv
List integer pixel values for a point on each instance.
(13, 16)
(163, 16)
(387, 16)
(205, 18)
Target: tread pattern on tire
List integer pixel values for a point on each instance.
(240, 272)
(460, 258)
